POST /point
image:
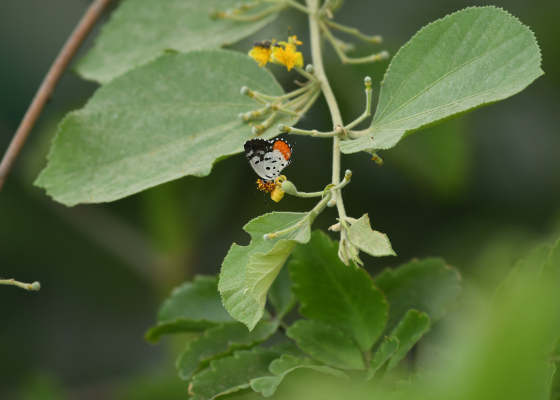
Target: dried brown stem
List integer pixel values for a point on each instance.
(49, 83)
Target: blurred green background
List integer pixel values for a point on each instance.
(480, 191)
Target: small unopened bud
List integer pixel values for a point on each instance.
(241, 116)
(384, 55)
(335, 227)
(246, 91)
(36, 286)
(265, 237)
(310, 69)
(376, 39)
(367, 82)
(348, 175)
(258, 129)
(283, 128)
(331, 203)
(289, 188)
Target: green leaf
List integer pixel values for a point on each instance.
(287, 361)
(326, 343)
(369, 241)
(192, 307)
(383, 354)
(281, 295)
(427, 286)
(219, 342)
(332, 292)
(231, 374)
(141, 30)
(267, 385)
(408, 332)
(172, 117)
(464, 61)
(242, 304)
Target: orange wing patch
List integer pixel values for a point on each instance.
(283, 148)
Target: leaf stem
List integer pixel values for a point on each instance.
(35, 286)
(49, 83)
(316, 210)
(353, 31)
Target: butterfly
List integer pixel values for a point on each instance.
(268, 157)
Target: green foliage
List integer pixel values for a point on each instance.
(141, 30)
(369, 241)
(244, 268)
(267, 385)
(327, 344)
(175, 116)
(464, 61)
(231, 374)
(332, 292)
(384, 353)
(178, 314)
(408, 332)
(219, 342)
(280, 294)
(426, 286)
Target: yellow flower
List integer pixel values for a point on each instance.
(261, 54)
(287, 56)
(293, 40)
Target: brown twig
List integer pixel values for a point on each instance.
(49, 83)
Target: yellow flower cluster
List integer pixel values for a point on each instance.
(283, 53)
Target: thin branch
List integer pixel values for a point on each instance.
(353, 31)
(49, 83)
(35, 286)
(384, 55)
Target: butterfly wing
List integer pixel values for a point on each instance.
(268, 157)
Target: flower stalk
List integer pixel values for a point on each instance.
(35, 286)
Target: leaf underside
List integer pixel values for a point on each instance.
(464, 61)
(172, 117)
(248, 271)
(141, 30)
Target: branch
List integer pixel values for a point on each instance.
(49, 83)
(35, 286)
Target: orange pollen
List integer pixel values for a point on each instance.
(266, 186)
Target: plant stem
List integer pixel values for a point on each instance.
(353, 31)
(343, 57)
(317, 58)
(35, 286)
(366, 113)
(47, 87)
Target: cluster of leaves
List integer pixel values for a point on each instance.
(353, 330)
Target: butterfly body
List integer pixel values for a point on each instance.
(268, 157)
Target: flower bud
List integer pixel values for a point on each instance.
(36, 286)
(246, 91)
(335, 227)
(310, 69)
(289, 188)
(332, 203)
